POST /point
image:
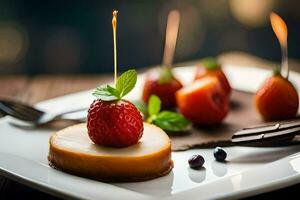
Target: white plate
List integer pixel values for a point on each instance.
(249, 170)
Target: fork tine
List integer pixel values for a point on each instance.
(21, 106)
(20, 111)
(28, 110)
(18, 114)
(30, 114)
(11, 112)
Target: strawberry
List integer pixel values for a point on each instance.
(210, 67)
(162, 83)
(114, 123)
(277, 99)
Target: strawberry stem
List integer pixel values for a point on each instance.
(210, 63)
(165, 75)
(277, 71)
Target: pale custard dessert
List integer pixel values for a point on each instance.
(71, 150)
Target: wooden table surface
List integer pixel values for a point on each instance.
(37, 88)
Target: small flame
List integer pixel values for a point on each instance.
(279, 27)
(281, 32)
(114, 19)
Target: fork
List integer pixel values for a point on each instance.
(28, 115)
(276, 133)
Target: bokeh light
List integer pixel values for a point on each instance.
(74, 37)
(63, 50)
(13, 43)
(251, 13)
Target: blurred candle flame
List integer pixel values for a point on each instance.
(114, 26)
(281, 31)
(279, 27)
(171, 37)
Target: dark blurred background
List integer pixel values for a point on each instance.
(72, 36)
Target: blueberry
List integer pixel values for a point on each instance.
(219, 154)
(196, 161)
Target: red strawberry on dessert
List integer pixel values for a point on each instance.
(112, 121)
(162, 83)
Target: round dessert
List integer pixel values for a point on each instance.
(72, 151)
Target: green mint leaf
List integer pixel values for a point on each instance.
(106, 93)
(142, 107)
(167, 120)
(210, 63)
(124, 85)
(171, 121)
(126, 82)
(165, 75)
(154, 105)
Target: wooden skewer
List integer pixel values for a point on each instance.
(171, 37)
(114, 26)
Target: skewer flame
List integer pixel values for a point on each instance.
(281, 31)
(279, 27)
